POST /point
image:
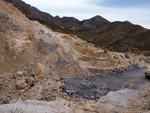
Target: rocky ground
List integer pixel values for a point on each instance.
(37, 65)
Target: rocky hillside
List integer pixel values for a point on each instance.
(33, 46)
(97, 30)
(35, 62)
(35, 49)
(119, 36)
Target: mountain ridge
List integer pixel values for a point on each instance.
(96, 30)
(70, 23)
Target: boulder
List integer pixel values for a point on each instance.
(21, 84)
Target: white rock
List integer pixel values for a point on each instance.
(20, 73)
(33, 106)
(121, 97)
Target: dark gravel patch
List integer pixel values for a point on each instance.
(94, 86)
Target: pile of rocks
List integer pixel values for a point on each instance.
(24, 80)
(13, 86)
(116, 70)
(122, 69)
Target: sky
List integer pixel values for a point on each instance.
(135, 11)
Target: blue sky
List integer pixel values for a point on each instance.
(135, 11)
(125, 3)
